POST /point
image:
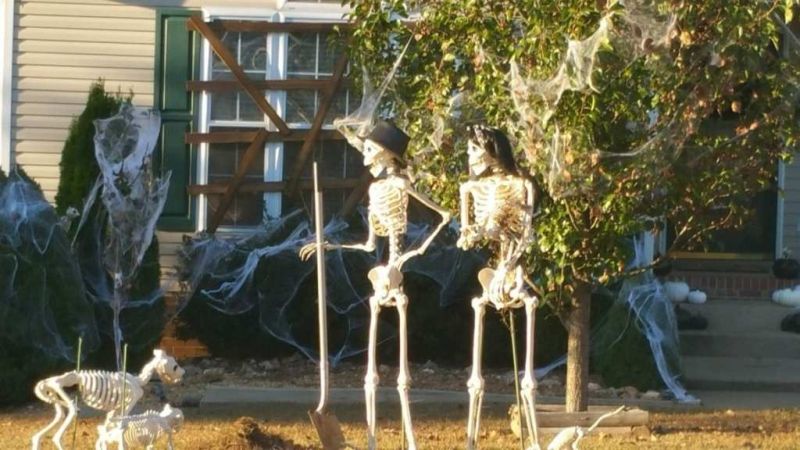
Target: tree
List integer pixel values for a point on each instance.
(625, 147)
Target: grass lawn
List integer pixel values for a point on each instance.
(436, 427)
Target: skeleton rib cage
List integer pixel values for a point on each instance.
(388, 202)
(497, 208)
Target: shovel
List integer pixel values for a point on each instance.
(325, 422)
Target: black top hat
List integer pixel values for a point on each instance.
(388, 136)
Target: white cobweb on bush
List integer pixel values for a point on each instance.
(261, 273)
(43, 304)
(653, 315)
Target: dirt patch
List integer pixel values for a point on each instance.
(250, 435)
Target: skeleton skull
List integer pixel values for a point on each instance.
(479, 159)
(167, 368)
(376, 157)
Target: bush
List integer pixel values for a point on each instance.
(621, 353)
(79, 170)
(43, 306)
(440, 334)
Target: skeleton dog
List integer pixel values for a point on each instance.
(497, 206)
(140, 430)
(388, 217)
(101, 390)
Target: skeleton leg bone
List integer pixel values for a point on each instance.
(529, 379)
(371, 379)
(35, 442)
(72, 411)
(404, 376)
(475, 383)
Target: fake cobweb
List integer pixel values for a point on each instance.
(634, 30)
(262, 271)
(113, 236)
(43, 304)
(653, 315)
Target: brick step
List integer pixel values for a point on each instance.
(741, 373)
(763, 344)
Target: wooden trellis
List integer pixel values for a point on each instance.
(327, 87)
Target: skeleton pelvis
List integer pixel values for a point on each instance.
(385, 279)
(485, 277)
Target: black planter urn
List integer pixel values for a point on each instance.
(786, 268)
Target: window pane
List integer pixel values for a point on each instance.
(231, 41)
(332, 157)
(223, 106)
(248, 109)
(254, 52)
(329, 52)
(302, 54)
(354, 163)
(300, 106)
(246, 209)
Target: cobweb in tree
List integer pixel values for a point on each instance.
(635, 30)
(121, 231)
(43, 303)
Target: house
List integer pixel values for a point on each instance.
(54, 50)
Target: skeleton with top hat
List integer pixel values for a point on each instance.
(383, 151)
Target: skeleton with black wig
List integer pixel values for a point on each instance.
(497, 208)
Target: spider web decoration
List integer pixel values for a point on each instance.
(43, 303)
(112, 248)
(262, 271)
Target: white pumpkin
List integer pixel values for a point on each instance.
(677, 291)
(787, 297)
(697, 297)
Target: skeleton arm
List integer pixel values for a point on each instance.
(520, 245)
(307, 250)
(467, 238)
(425, 200)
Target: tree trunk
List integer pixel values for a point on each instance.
(577, 395)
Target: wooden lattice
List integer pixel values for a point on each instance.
(257, 138)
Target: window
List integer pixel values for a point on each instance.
(268, 56)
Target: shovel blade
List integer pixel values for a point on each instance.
(328, 429)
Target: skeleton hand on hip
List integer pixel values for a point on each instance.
(470, 236)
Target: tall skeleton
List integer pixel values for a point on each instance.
(101, 390)
(497, 206)
(388, 217)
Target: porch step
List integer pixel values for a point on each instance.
(740, 316)
(757, 344)
(738, 373)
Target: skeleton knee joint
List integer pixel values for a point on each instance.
(528, 383)
(403, 382)
(475, 383)
(371, 380)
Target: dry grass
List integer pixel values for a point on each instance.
(437, 427)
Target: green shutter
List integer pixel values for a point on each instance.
(177, 61)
